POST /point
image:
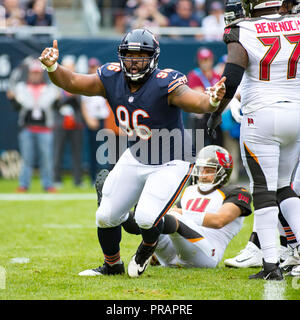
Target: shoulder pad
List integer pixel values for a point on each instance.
(232, 190)
(170, 79)
(231, 33)
(240, 197)
(109, 69)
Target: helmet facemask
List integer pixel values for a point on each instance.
(233, 11)
(145, 65)
(212, 169)
(208, 176)
(139, 41)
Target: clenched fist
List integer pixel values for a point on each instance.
(50, 55)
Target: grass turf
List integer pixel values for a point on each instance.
(59, 238)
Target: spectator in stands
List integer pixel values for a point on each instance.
(117, 9)
(200, 78)
(200, 9)
(185, 16)
(39, 14)
(68, 127)
(34, 99)
(167, 7)
(213, 25)
(94, 110)
(14, 14)
(148, 15)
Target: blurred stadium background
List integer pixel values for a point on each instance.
(91, 28)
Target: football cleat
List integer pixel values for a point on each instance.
(296, 271)
(100, 179)
(270, 271)
(140, 261)
(292, 261)
(106, 269)
(284, 253)
(249, 257)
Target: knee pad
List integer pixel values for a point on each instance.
(263, 198)
(105, 218)
(285, 193)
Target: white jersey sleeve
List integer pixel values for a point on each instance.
(273, 47)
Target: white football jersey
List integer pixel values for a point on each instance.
(198, 203)
(273, 46)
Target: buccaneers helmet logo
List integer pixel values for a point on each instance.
(225, 160)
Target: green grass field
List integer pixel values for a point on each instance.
(59, 239)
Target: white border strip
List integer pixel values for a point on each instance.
(47, 197)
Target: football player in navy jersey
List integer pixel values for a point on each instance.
(144, 100)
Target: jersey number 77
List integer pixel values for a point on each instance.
(274, 44)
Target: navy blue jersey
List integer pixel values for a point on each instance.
(146, 116)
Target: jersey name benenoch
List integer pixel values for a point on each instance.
(273, 48)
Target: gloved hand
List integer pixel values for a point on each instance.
(214, 120)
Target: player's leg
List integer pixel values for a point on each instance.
(166, 253)
(260, 155)
(163, 186)
(121, 190)
(187, 249)
(194, 248)
(250, 256)
(287, 198)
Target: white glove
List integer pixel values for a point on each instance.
(235, 107)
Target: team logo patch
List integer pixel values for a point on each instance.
(250, 122)
(227, 30)
(225, 160)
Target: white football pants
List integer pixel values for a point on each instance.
(154, 188)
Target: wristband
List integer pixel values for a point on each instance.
(214, 104)
(50, 69)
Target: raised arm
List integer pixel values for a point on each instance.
(197, 102)
(237, 62)
(83, 84)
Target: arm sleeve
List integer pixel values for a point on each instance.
(240, 197)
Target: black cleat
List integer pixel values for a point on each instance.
(106, 269)
(140, 261)
(100, 179)
(270, 271)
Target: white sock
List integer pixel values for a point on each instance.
(290, 209)
(266, 220)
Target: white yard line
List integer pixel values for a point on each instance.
(274, 290)
(47, 196)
